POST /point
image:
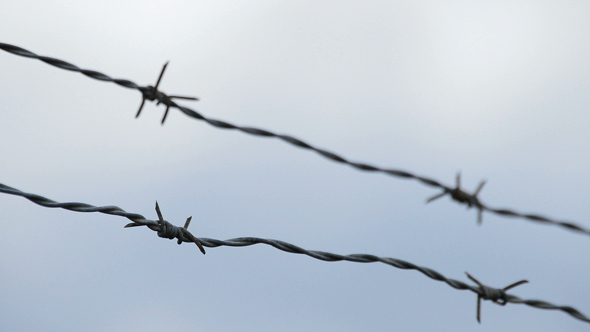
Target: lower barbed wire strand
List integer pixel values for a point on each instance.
(139, 220)
(78, 207)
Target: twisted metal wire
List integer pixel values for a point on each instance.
(68, 66)
(152, 94)
(170, 231)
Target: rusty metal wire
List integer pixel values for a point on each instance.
(152, 93)
(167, 230)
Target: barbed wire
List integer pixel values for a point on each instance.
(165, 229)
(152, 93)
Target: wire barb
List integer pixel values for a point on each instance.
(463, 197)
(152, 93)
(168, 231)
(495, 295)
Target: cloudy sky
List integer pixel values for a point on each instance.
(497, 91)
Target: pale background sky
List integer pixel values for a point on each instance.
(498, 91)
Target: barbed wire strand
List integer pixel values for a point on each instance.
(151, 93)
(167, 230)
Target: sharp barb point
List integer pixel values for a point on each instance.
(198, 243)
(518, 283)
(435, 197)
(165, 115)
(160, 217)
(479, 187)
(188, 222)
(140, 107)
(183, 97)
(479, 309)
(161, 74)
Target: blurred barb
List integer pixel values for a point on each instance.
(151, 93)
(461, 196)
(166, 230)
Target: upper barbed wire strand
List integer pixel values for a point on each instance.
(68, 66)
(145, 90)
(138, 219)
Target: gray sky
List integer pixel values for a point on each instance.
(498, 91)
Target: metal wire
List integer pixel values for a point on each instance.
(495, 295)
(152, 94)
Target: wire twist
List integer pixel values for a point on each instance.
(495, 295)
(152, 93)
(167, 230)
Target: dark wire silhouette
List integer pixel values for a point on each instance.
(152, 93)
(165, 229)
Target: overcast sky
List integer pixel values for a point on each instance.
(498, 91)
